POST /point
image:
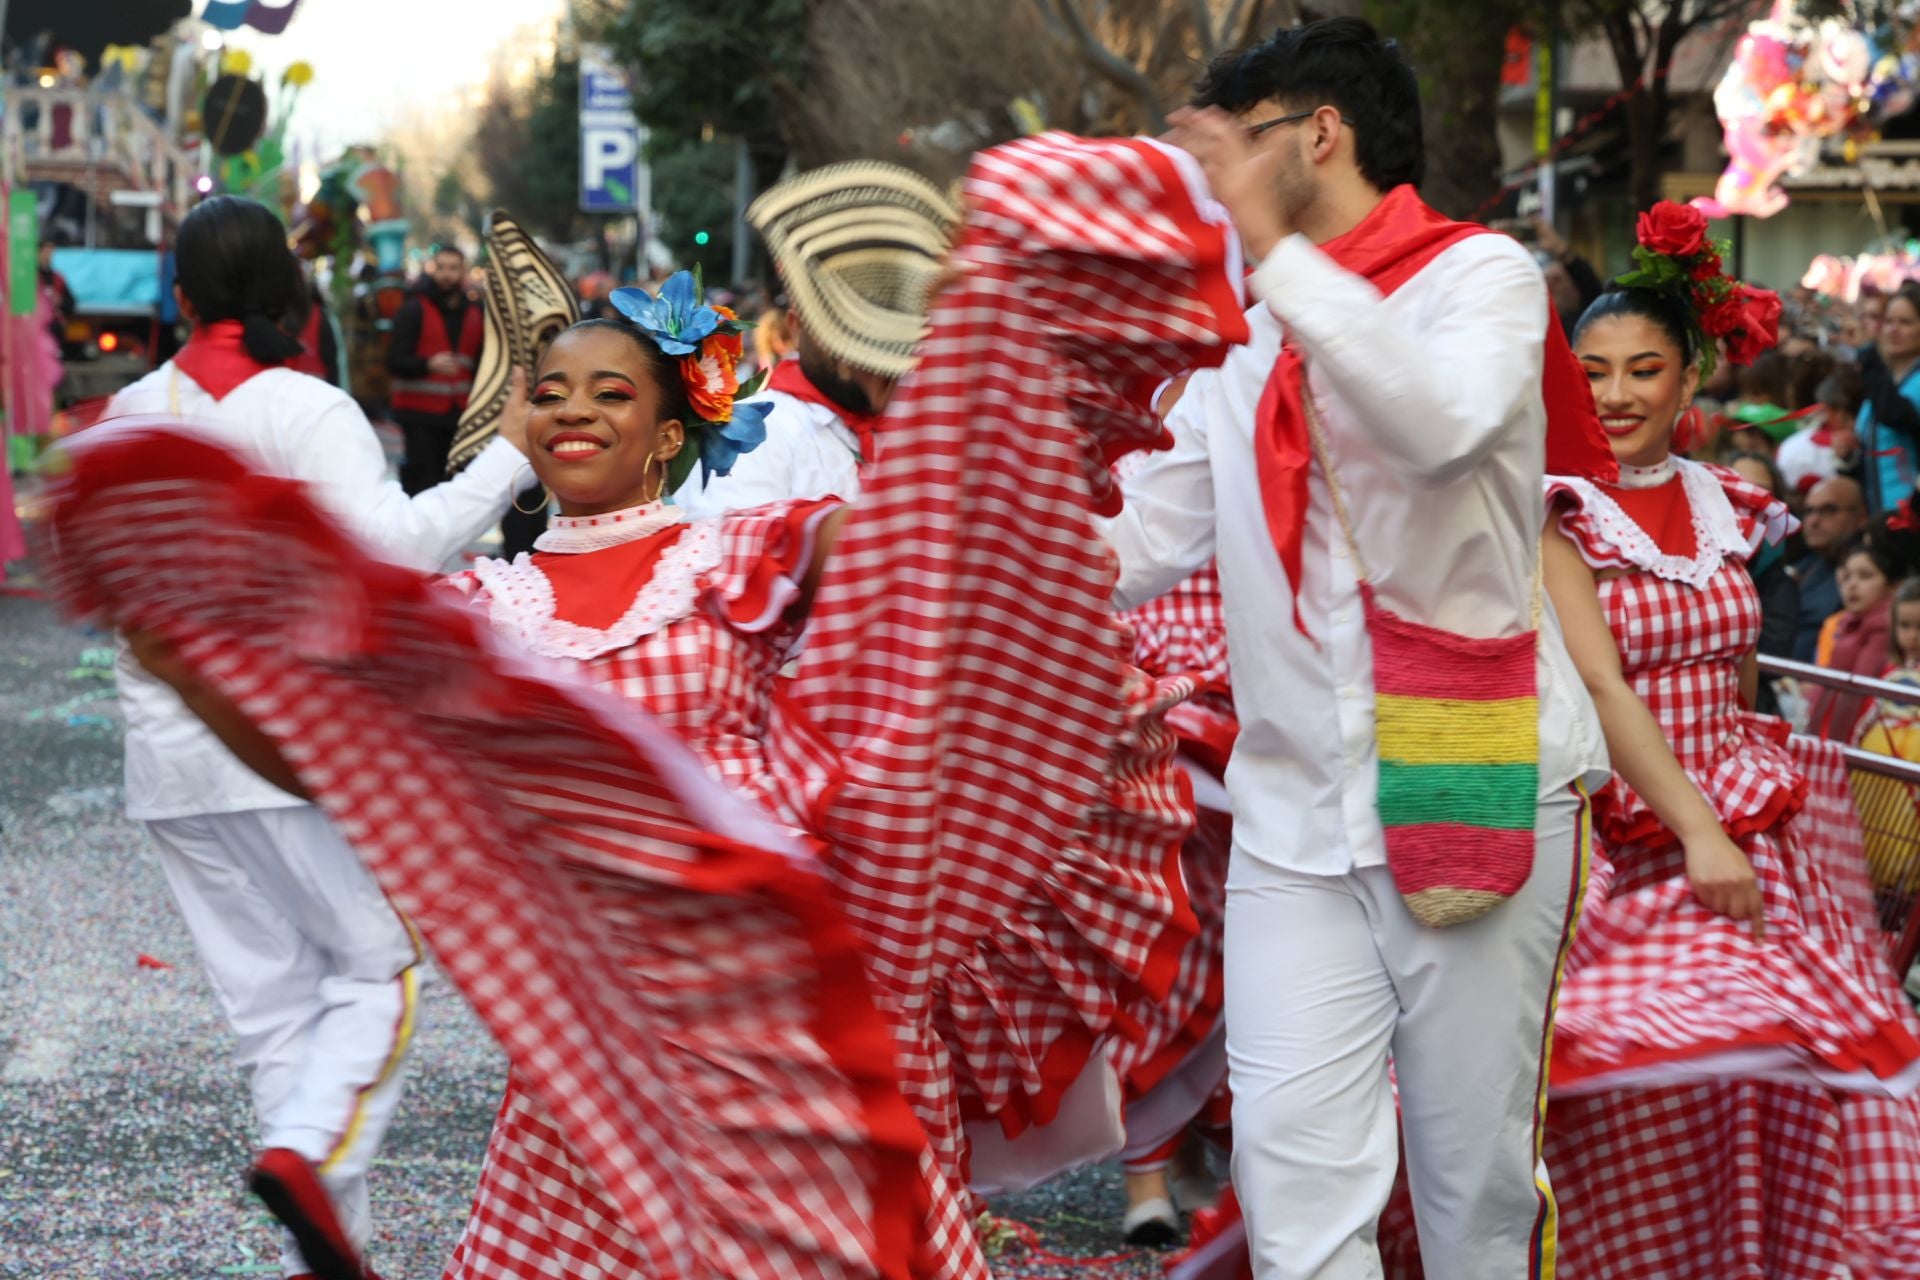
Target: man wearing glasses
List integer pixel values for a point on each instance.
(1422, 346)
(1836, 514)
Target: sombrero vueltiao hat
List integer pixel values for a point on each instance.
(859, 246)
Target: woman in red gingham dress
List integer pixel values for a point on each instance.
(1733, 1062)
(984, 780)
(1004, 951)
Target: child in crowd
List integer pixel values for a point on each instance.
(1855, 640)
(1830, 445)
(1757, 419)
(1903, 652)
(1890, 808)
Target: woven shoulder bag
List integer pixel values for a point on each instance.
(1457, 721)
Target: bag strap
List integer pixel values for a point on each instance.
(1317, 432)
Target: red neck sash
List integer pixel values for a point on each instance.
(789, 378)
(216, 358)
(1390, 246)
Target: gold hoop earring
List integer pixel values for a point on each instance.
(651, 459)
(546, 496)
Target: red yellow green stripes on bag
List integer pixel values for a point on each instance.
(1427, 730)
(1458, 726)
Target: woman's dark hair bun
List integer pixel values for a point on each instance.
(267, 342)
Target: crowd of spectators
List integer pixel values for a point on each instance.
(1830, 422)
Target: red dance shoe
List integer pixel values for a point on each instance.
(286, 1181)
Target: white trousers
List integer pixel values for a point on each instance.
(316, 973)
(1328, 976)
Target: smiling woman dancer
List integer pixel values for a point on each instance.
(1731, 1047)
(992, 799)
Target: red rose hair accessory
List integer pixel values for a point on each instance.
(1678, 259)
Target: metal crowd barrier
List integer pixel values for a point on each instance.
(1886, 792)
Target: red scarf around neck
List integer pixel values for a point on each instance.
(216, 358)
(789, 378)
(1390, 246)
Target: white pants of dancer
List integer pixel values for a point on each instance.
(317, 974)
(1328, 976)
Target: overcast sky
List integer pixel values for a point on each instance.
(375, 62)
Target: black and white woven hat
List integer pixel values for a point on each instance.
(858, 246)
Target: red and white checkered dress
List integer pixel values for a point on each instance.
(1753, 1167)
(1184, 633)
(1817, 997)
(689, 1025)
(991, 780)
(953, 729)
(687, 620)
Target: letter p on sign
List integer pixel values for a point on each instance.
(608, 156)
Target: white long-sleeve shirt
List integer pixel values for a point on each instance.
(299, 427)
(808, 453)
(1435, 425)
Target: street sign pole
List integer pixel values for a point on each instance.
(742, 197)
(1543, 120)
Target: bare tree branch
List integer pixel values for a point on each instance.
(1051, 17)
(1113, 67)
(1202, 14)
(1230, 30)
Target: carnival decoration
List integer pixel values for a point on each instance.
(234, 112)
(1796, 81)
(377, 187)
(327, 226)
(356, 208)
(257, 171)
(1845, 277)
(528, 305)
(268, 19)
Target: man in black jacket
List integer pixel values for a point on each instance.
(432, 356)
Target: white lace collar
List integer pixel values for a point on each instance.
(520, 602)
(575, 534)
(1632, 477)
(1716, 527)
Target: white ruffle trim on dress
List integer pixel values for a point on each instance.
(520, 603)
(1718, 529)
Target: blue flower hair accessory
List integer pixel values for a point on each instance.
(707, 343)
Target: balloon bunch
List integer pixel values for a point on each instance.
(1845, 277)
(1795, 82)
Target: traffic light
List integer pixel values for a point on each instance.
(701, 237)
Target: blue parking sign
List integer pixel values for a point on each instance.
(609, 167)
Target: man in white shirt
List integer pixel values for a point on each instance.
(313, 967)
(1427, 368)
(858, 247)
